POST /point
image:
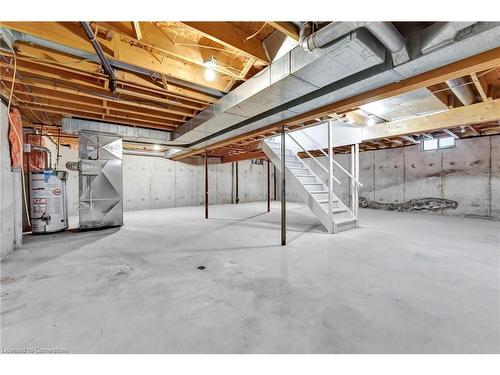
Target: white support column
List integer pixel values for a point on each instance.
(330, 176)
(351, 180)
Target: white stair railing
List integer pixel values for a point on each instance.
(356, 180)
(313, 158)
(353, 177)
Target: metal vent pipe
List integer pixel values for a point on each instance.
(48, 155)
(441, 34)
(385, 32)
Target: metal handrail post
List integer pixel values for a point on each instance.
(330, 176)
(313, 158)
(334, 161)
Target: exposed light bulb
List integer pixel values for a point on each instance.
(462, 129)
(210, 66)
(156, 147)
(209, 74)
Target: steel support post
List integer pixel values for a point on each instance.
(268, 185)
(283, 187)
(206, 184)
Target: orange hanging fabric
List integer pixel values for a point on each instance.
(16, 138)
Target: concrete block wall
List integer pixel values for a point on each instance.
(10, 193)
(468, 174)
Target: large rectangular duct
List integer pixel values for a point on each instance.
(295, 74)
(127, 133)
(475, 39)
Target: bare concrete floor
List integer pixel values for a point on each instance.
(402, 283)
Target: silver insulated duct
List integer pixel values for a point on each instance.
(295, 74)
(462, 91)
(385, 32)
(301, 81)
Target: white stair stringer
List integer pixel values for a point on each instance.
(310, 188)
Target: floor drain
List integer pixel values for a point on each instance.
(200, 268)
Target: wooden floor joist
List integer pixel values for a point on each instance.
(460, 116)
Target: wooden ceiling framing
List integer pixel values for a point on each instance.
(50, 85)
(481, 71)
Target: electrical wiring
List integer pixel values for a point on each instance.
(255, 34)
(18, 138)
(29, 109)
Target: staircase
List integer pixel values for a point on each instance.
(310, 188)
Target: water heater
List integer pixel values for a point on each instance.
(49, 211)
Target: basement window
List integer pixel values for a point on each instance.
(437, 143)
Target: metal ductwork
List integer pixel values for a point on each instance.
(102, 57)
(385, 32)
(442, 33)
(154, 154)
(128, 133)
(296, 74)
(270, 97)
(460, 87)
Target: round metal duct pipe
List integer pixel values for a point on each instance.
(385, 32)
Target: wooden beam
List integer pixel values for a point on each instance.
(483, 61)
(161, 40)
(53, 90)
(243, 73)
(244, 156)
(137, 29)
(51, 62)
(287, 28)
(71, 34)
(461, 116)
(451, 134)
(479, 87)
(473, 129)
(230, 36)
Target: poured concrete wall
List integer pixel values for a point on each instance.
(495, 176)
(160, 183)
(341, 190)
(10, 193)
(150, 182)
(468, 174)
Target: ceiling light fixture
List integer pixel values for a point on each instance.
(210, 66)
(370, 121)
